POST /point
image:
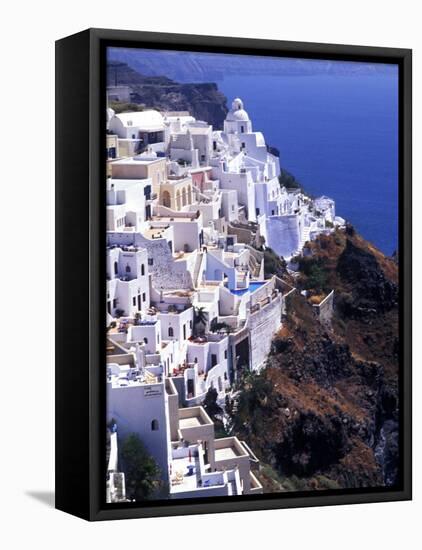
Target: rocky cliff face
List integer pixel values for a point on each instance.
(194, 67)
(203, 100)
(324, 411)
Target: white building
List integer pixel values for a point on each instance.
(138, 130)
(127, 280)
(143, 401)
(189, 301)
(127, 204)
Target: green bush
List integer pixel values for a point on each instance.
(286, 179)
(315, 274)
(142, 472)
(121, 107)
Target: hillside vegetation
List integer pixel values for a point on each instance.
(323, 413)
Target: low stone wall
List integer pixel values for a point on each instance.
(325, 310)
(263, 324)
(243, 235)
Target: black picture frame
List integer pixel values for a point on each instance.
(80, 273)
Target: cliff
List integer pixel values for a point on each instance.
(203, 100)
(202, 67)
(324, 411)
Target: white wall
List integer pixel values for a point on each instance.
(283, 234)
(27, 497)
(134, 408)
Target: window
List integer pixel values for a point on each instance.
(190, 324)
(143, 269)
(225, 354)
(144, 297)
(150, 261)
(272, 212)
(225, 376)
(114, 303)
(154, 425)
(213, 359)
(257, 211)
(243, 144)
(184, 332)
(242, 129)
(171, 332)
(128, 269)
(134, 300)
(146, 340)
(116, 268)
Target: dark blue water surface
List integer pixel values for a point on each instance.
(335, 123)
(338, 135)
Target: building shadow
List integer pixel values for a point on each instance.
(45, 497)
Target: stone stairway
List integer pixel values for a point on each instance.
(196, 271)
(304, 239)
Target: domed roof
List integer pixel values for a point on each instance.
(110, 114)
(237, 113)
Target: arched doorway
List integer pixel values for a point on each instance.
(166, 199)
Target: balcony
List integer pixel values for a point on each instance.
(229, 448)
(195, 424)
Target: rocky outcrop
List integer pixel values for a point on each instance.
(203, 100)
(324, 411)
(372, 291)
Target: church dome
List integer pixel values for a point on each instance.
(237, 112)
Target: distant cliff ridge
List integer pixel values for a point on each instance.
(203, 100)
(200, 67)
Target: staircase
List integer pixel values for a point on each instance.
(253, 265)
(197, 269)
(303, 240)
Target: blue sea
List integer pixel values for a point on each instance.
(337, 134)
(335, 123)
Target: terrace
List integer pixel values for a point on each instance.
(155, 232)
(195, 424)
(229, 448)
(192, 417)
(189, 475)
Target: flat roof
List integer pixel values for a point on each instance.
(154, 232)
(175, 219)
(191, 422)
(180, 469)
(199, 129)
(139, 161)
(226, 453)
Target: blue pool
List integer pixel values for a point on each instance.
(252, 287)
